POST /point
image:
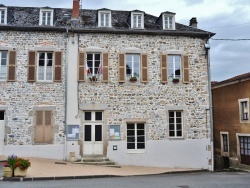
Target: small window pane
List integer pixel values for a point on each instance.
(1, 115)
(130, 145)
(140, 139)
(131, 126)
(140, 145)
(88, 116)
(171, 133)
(130, 132)
(98, 116)
(131, 139)
(87, 133)
(140, 126)
(98, 133)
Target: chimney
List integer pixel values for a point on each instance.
(193, 22)
(75, 11)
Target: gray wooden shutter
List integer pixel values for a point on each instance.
(105, 67)
(39, 127)
(144, 68)
(32, 66)
(12, 66)
(81, 66)
(58, 67)
(121, 67)
(164, 68)
(47, 127)
(185, 69)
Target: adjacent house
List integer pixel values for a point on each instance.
(231, 121)
(124, 84)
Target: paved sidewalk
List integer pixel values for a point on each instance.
(46, 169)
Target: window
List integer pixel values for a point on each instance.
(8, 66)
(104, 19)
(136, 136)
(45, 66)
(244, 110)
(133, 66)
(3, 15)
(46, 17)
(93, 66)
(43, 127)
(168, 21)
(3, 65)
(175, 124)
(93, 116)
(137, 20)
(174, 66)
(225, 142)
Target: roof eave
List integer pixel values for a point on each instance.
(111, 30)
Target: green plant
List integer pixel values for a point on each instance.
(11, 161)
(133, 79)
(22, 163)
(176, 79)
(93, 78)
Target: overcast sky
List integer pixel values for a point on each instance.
(229, 19)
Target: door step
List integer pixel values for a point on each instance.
(98, 160)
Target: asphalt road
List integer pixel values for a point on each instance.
(190, 180)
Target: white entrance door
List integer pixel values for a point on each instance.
(2, 131)
(93, 143)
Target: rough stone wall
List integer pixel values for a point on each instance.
(150, 100)
(20, 98)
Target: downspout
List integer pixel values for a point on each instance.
(66, 94)
(210, 106)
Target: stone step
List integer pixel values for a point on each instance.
(96, 160)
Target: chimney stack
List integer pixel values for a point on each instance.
(193, 22)
(76, 7)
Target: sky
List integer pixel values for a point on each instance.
(229, 19)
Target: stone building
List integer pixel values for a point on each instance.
(124, 84)
(231, 121)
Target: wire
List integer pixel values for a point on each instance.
(228, 26)
(231, 39)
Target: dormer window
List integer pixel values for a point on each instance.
(137, 20)
(46, 17)
(3, 15)
(168, 21)
(104, 18)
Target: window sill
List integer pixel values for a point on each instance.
(176, 138)
(136, 152)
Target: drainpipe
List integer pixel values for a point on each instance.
(66, 95)
(207, 46)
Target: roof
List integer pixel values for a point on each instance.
(27, 18)
(232, 80)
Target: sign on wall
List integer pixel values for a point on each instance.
(73, 132)
(114, 132)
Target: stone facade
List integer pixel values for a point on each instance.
(150, 100)
(21, 99)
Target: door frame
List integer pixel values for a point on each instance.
(2, 133)
(93, 146)
(238, 135)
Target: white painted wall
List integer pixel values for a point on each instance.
(39, 151)
(2, 132)
(165, 153)
(72, 94)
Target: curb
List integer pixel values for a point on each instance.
(19, 179)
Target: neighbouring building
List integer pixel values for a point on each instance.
(231, 121)
(103, 82)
